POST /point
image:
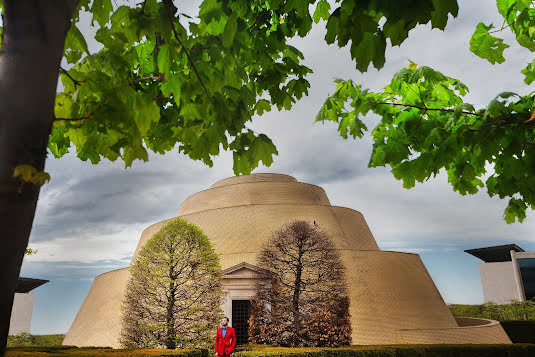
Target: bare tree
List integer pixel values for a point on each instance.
(302, 300)
(173, 297)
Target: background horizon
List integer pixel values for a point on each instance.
(89, 217)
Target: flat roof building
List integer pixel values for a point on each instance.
(507, 274)
(21, 313)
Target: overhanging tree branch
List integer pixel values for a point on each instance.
(424, 108)
(170, 14)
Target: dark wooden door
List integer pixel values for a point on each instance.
(240, 320)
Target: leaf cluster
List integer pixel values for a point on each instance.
(368, 25)
(519, 17)
(426, 127)
(164, 79)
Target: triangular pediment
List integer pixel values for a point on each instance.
(244, 270)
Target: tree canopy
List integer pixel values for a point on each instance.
(302, 297)
(174, 293)
(426, 126)
(165, 79)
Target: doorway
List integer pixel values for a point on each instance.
(240, 320)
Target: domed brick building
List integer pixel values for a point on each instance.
(392, 297)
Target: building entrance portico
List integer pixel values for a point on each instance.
(238, 284)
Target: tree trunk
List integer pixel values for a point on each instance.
(32, 47)
(170, 340)
(296, 294)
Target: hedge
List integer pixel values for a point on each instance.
(520, 331)
(516, 310)
(520, 350)
(64, 351)
(28, 340)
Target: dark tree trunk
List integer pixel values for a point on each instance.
(297, 293)
(170, 340)
(32, 46)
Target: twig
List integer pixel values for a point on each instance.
(425, 108)
(65, 72)
(142, 12)
(498, 30)
(72, 119)
(507, 120)
(161, 96)
(159, 78)
(266, 11)
(168, 5)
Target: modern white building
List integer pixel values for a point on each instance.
(507, 274)
(21, 313)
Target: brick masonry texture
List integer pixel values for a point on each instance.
(393, 298)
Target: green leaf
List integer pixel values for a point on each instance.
(146, 112)
(468, 172)
(397, 30)
(230, 30)
(529, 72)
(405, 171)
(262, 106)
(442, 8)
(173, 86)
(516, 209)
(165, 60)
(371, 49)
(75, 45)
(58, 144)
(495, 108)
(101, 11)
(322, 11)
(467, 107)
(132, 153)
(263, 149)
(486, 46)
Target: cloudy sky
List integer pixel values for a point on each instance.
(90, 217)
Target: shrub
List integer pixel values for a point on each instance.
(521, 350)
(516, 310)
(28, 340)
(517, 350)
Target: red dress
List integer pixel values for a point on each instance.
(225, 345)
